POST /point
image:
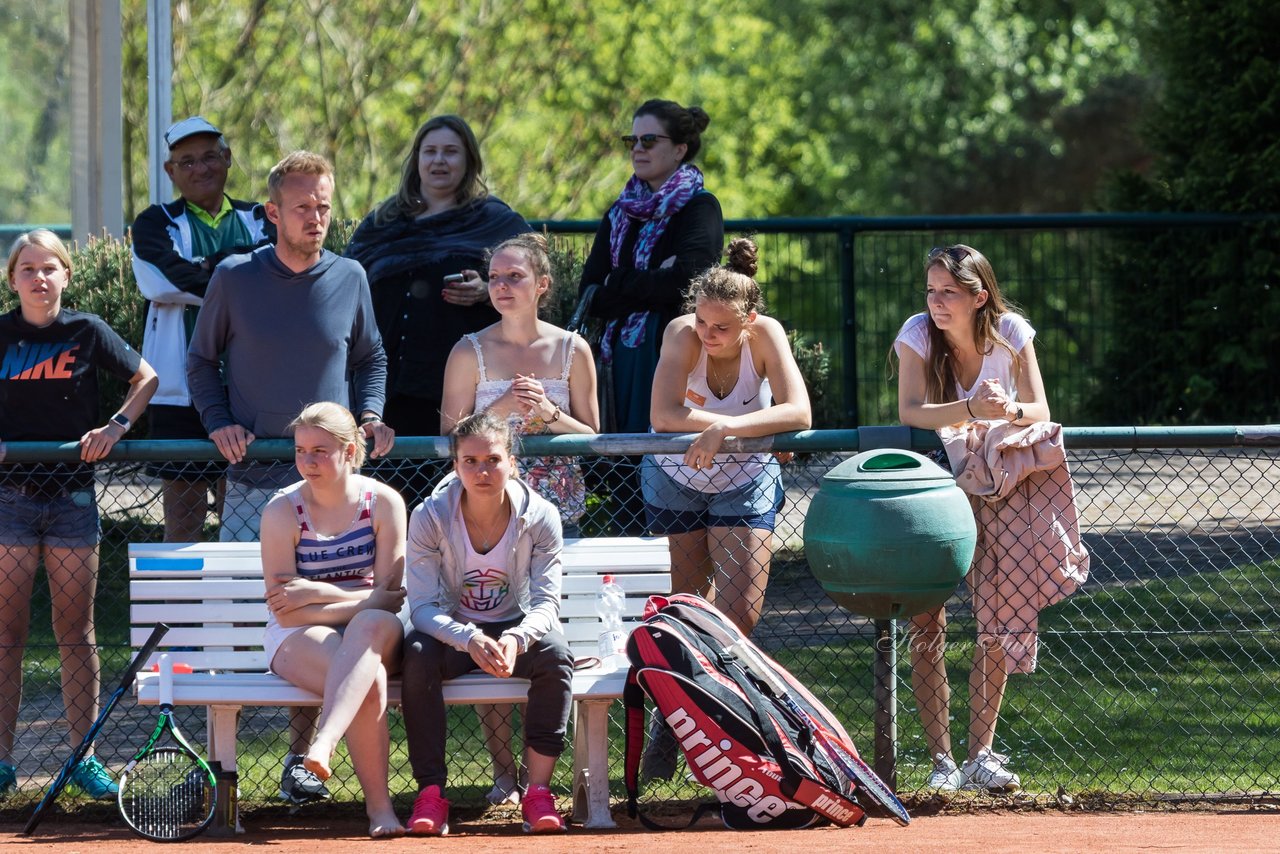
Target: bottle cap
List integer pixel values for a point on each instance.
(608, 579)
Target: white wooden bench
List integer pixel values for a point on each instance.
(211, 594)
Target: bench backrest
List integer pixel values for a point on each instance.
(211, 595)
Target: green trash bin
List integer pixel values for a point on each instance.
(889, 534)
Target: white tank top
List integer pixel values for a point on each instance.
(750, 393)
(556, 388)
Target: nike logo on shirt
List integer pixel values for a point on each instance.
(749, 399)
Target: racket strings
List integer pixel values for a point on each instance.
(166, 795)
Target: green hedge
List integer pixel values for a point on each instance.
(1198, 322)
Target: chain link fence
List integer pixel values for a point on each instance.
(1158, 678)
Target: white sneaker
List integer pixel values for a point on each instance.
(946, 776)
(989, 772)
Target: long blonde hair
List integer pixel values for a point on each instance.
(971, 271)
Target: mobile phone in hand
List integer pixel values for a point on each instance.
(454, 279)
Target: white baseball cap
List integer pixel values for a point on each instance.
(179, 131)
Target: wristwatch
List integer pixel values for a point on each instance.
(123, 420)
(1018, 416)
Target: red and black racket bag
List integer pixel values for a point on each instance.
(737, 740)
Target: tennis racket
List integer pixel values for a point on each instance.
(64, 776)
(852, 767)
(167, 790)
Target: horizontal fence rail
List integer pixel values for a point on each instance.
(1172, 641)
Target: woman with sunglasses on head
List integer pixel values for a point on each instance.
(423, 250)
(664, 229)
(968, 369)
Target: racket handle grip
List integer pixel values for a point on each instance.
(751, 659)
(166, 680)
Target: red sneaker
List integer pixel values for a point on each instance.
(430, 813)
(539, 811)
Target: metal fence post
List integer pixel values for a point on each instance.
(848, 296)
(886, 696)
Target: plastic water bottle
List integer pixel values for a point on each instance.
(609, 603)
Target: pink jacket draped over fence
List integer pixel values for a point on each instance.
(1029, 553)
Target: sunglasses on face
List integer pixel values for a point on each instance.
(646, 140)
(955, 253)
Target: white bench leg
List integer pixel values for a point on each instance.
(223, 728)
(591, 763)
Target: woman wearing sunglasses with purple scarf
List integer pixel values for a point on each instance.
(664, 229)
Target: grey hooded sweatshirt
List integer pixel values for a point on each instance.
(434, 557)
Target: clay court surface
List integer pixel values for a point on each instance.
(988, 832)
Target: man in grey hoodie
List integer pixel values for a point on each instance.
(294, 324)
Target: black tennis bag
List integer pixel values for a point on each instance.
(758, 755)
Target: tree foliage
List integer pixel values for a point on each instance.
(818, 106)
(35, 121)
(1199, 321)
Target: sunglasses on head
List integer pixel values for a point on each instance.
(955, 253)
(646, 140)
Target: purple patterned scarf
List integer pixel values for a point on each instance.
(653, 209)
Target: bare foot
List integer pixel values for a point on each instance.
(313, 763)
(385, 826)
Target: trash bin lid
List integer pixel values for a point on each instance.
(889, 468)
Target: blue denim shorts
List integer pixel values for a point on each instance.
(673, 508)
(66, 520)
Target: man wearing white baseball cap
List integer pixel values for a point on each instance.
(175, 248)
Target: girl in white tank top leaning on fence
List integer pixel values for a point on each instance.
(724, 370)
(541, 379)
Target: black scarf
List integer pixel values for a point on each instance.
(399, 245)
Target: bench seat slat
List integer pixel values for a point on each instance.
(221, 611)
(264, 689)
(179, 589)
(633, 585)
(582, 637)
(202, 636)
(176, 613)
(227, 661)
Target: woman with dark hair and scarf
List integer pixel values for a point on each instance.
(438, 225)
(664, 229)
